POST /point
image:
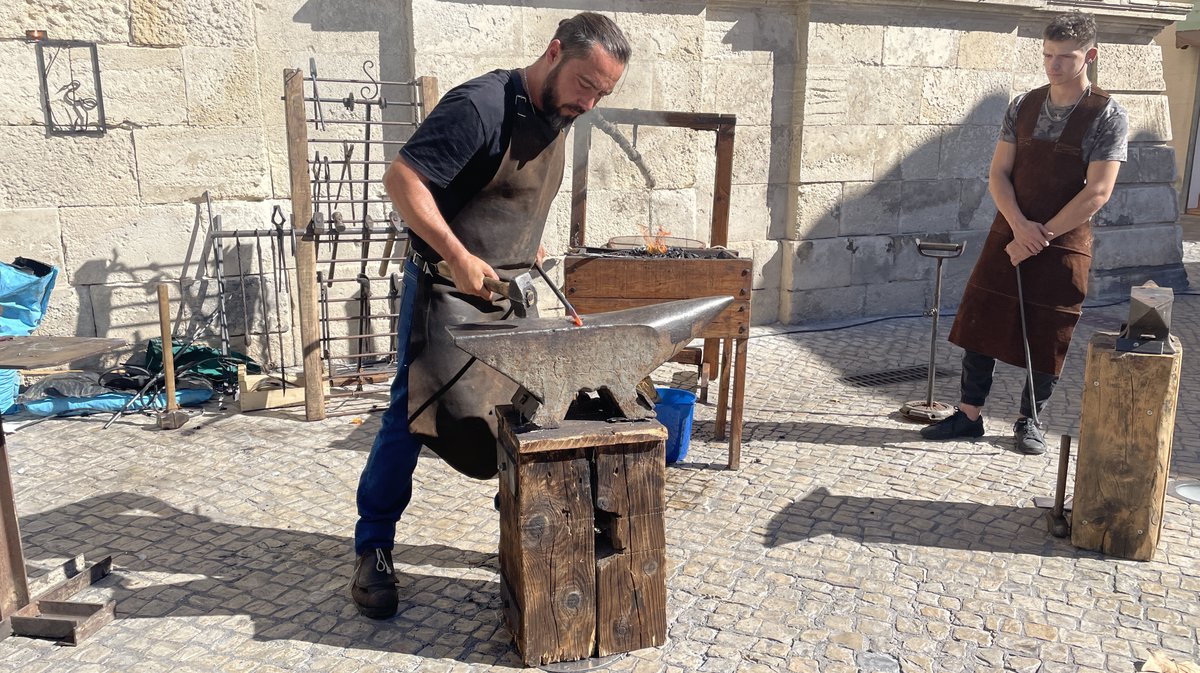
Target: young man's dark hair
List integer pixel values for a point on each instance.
(1074, 27)
(579, 33)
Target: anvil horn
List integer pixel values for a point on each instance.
(553, 359)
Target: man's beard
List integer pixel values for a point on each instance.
(554, 110)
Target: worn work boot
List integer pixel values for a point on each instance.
(373, 587)
(1028, 437)
(958, 425)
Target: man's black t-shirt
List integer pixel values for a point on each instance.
(460, 145)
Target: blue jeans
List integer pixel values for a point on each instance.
(385, 486)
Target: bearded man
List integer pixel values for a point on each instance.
(474, 185)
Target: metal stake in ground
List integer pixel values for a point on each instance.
(928, 411)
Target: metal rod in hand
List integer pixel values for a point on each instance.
(558, 293)
(1025, 340)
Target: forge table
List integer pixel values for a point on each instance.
(49, 614)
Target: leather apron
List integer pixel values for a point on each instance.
(502, 225)
(1046, 175)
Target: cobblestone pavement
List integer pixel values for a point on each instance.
(844, 543)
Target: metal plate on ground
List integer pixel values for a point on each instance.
(593, 664)
(890, 376)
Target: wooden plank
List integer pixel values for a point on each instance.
(631, 601)
(576, 434)
(631, 479)
(661, 279)
(1127, 418)
(734, 320)
(722, 186)
(30, 352)
(427, 86)
(547, 557)
(306, 247)
(699, 121)
(579, 182)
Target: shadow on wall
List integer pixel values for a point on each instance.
(291, 584)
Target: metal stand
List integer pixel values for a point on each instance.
(929, 411)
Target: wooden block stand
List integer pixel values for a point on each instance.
(1124, 457)
(582, 539)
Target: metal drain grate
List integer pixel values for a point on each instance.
(887, 378)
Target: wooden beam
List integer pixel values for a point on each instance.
(306, 247)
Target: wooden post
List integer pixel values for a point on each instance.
(428, 86)
(569, 593)
(1126, 423)
(579, 183)
(306, 247)
(14, 588)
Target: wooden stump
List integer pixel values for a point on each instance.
(1124, 456)
(570, 592)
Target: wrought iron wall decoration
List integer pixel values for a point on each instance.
(69, 75)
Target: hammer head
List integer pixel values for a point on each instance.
(522, 294)
(172, 419)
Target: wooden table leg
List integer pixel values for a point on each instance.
(739, 390)
(14, 588)
(723, 395)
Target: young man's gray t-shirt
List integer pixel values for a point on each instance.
(1107, 138)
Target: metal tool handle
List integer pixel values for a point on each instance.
(168, 355)
(497, 286)
(940, 250)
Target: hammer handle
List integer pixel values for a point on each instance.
(497, 286)
(168, 354)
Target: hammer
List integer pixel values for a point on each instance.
(519, 291)
(173, 417)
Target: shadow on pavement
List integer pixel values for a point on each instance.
(923, 523)
(292, 584)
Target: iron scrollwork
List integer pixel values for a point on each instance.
(69, 76)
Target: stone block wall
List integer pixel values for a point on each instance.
(899, 114)
(193, 99)
(863, 125)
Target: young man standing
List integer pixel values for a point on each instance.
(474, 185)
(1054, 167)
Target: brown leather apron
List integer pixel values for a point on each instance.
(1046, 175)
(502, 225)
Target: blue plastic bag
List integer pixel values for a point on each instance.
(25, 287)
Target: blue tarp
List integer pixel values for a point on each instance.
(112, 402)
(25, 287)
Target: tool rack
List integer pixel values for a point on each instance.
(349, 240)
(596, 284)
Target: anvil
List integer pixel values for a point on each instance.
(553, 360)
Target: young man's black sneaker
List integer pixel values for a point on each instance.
(373, 587)
(1028, 437)
(958, 425)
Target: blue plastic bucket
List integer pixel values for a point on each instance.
(674, 411)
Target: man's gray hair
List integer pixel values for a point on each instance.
(580, 32)
(1074, 27)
